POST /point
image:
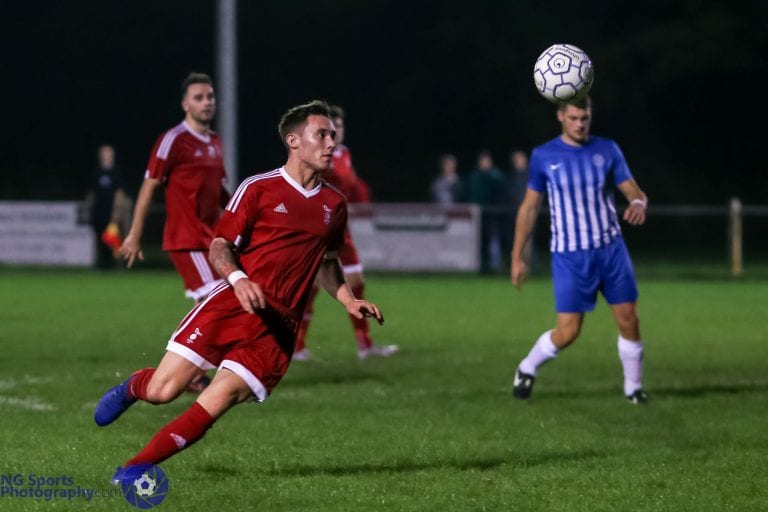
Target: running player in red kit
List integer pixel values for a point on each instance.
(342, 175)
(187, 162)
(280, 230)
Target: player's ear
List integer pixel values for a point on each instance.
(292, 140)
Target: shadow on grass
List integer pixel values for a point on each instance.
(713, 389)
(693, 391)
(484, 464)
(341, 377)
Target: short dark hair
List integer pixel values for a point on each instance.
(337, 112)
(296, 116)
(194, 78)
(584, 103)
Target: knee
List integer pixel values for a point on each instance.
(628, 320)
(564, 335)
(162, 392)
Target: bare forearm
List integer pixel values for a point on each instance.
(117, 205)
(632, 191)
(331, 278)
(143, 201)
(526, 220)
(638, 202)
(222, 257)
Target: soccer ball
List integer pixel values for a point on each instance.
(145, 485)
(563, 72)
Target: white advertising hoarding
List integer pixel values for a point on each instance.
(44, 233)
(416, 237)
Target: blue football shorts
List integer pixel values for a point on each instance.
(577, 277)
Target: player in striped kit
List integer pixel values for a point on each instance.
(187, 162)
(578, 172)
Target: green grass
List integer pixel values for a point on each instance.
(434, 428)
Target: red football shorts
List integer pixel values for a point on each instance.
(219, 333)
(196, 271)
(350, 260)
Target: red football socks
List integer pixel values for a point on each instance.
(301, 335)
(139, 382)
(360, 325)
(178, 434)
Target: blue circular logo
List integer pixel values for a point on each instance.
(144, 486)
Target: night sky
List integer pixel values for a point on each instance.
(679, 85)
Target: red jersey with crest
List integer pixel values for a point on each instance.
(281, 233)
(191, 168)
(342, 175)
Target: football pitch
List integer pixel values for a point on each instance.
(433, 428)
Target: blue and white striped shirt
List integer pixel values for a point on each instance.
(579, 182)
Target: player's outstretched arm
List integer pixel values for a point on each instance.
(131, 248)
(526, 220)
(222, 257)
(331, 277)
(638, 202)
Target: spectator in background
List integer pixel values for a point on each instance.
(447, 189)
(485, 188)
(517, 180)
(105, 199)
(516, 185)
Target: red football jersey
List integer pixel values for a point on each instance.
(281, 232)
(191, 168)
(342, 175)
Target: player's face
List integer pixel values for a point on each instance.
(317, 142)
(575, 122)
(339, 124)
(200, 103)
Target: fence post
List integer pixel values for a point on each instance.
(735, 238)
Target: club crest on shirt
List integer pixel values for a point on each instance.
(598, 160)
(212, 151)
(326, 214)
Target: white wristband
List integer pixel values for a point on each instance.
(236, 276)
(641, 202)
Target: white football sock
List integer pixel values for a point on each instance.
(543, 350)
(631, 355)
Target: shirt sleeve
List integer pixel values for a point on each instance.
(537, 178)
(239, 217)
(621, 172)
(157, 167)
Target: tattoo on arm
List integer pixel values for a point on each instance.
(331, 276)
(222, 257)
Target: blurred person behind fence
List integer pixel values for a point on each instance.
(447, 189)
(104, 201)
